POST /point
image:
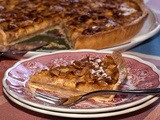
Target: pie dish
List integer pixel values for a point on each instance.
(83, 76)
(85, 24)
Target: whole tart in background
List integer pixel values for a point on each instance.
(85, 24)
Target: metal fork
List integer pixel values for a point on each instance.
(75, 99)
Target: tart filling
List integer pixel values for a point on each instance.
(83, 76)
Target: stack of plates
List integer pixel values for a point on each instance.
(142, 75)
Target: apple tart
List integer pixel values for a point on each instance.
(86, 24)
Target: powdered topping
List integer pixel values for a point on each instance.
(127, 9)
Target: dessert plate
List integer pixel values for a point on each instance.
(86, 115)
(142, 75)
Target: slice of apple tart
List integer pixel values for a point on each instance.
(83, 76)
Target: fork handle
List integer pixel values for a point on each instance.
(155, 91)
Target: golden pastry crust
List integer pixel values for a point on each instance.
(84, 76)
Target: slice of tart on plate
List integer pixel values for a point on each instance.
(83, 76)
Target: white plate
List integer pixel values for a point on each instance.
(142, 75)
(149, 29)
(82, 115)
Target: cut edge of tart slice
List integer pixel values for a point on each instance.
(38, 81)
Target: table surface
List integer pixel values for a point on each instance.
(148, 50)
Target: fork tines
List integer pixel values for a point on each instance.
(47, 98)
